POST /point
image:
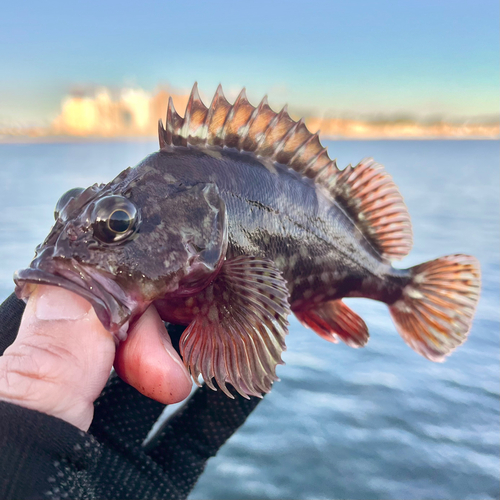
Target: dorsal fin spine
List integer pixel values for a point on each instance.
(187, 115)
(229, 115)
(274, 124)
(210, 112)
(242, 98)
(222, 131)
(232, 112)
(161, 134)
(219, 104)
(303, 147)
(173, 119)
(250, 122)
(257, 126)
(267, 131)
(312, 163)
(291, 131)
(326, 171)
(237, 127)
(198, 118)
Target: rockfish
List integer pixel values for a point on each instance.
(239, 219)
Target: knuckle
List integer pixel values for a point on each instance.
(27, 369)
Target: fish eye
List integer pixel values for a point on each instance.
(114, 219)
(120, 221)
(64, 200)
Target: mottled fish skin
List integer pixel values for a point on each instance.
(275, 212)
(240, 218)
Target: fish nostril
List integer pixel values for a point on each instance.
(72, 233)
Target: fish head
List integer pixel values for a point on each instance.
(128, 243)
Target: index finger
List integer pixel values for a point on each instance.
(148, 361)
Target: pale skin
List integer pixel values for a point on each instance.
(62, 358)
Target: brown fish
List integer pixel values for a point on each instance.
(238, 219)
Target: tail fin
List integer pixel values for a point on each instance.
(435, 311)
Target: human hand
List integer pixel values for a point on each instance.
(62, 358)
(45, 456)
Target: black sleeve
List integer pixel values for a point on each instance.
(45, 457)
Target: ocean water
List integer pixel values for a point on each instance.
(374, 423)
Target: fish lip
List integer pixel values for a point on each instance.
(112, 312)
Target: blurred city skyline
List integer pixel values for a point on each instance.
(417, 61)
(134, 113)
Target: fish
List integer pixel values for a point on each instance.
(238, 220)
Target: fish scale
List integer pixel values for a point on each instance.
(314, 232)
(239, 220)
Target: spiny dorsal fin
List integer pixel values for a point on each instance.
(244, 127)
(366, 191)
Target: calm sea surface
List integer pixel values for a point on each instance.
(373, 423)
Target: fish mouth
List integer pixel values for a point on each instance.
(112, 306)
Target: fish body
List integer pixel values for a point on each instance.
(276, 213)
(238, 220)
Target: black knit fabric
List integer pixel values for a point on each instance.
(11, 312)
(44, 457)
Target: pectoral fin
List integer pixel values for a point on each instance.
(333, 321)
(239, 330)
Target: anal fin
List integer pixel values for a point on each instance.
(333, 321)
(239, 329)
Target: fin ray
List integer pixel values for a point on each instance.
(333, 321)
(435, 312)
(237, 335)
(374, 202)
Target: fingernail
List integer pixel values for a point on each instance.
(53, 303)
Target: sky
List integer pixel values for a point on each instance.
(369, 58)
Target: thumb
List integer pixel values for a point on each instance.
(61, 358)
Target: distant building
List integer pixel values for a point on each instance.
(134, 113)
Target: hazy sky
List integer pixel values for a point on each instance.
(418, 57)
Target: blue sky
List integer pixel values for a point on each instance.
(351, 57)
